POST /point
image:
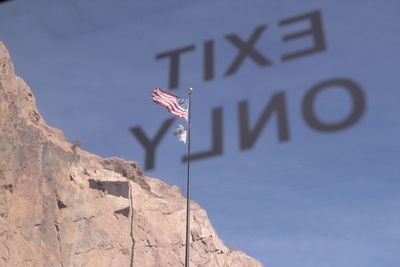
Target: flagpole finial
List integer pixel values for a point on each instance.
(190, 90)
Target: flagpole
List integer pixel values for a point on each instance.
(190, 90)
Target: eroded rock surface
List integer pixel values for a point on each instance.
(61, 206)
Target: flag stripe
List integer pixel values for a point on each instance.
(174, 104)
(169, 99)
(160, 91)
(169, 103)
(164, 94)
(171, 109)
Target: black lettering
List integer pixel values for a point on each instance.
(209, 60)
(217, 143)
(174, 56)
(316, 31)
(150, 145)
(277, 105)
(246, 49)
(358, 105)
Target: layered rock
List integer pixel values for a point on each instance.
(62, 206)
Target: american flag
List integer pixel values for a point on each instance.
(175, 105)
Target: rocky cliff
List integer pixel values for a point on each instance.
(62, 206)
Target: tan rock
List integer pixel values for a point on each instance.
(62, 206)
(6, 67)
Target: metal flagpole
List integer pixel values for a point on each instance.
(190, 90)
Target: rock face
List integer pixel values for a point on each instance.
(61, 206)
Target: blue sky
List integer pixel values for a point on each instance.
(315, 199)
